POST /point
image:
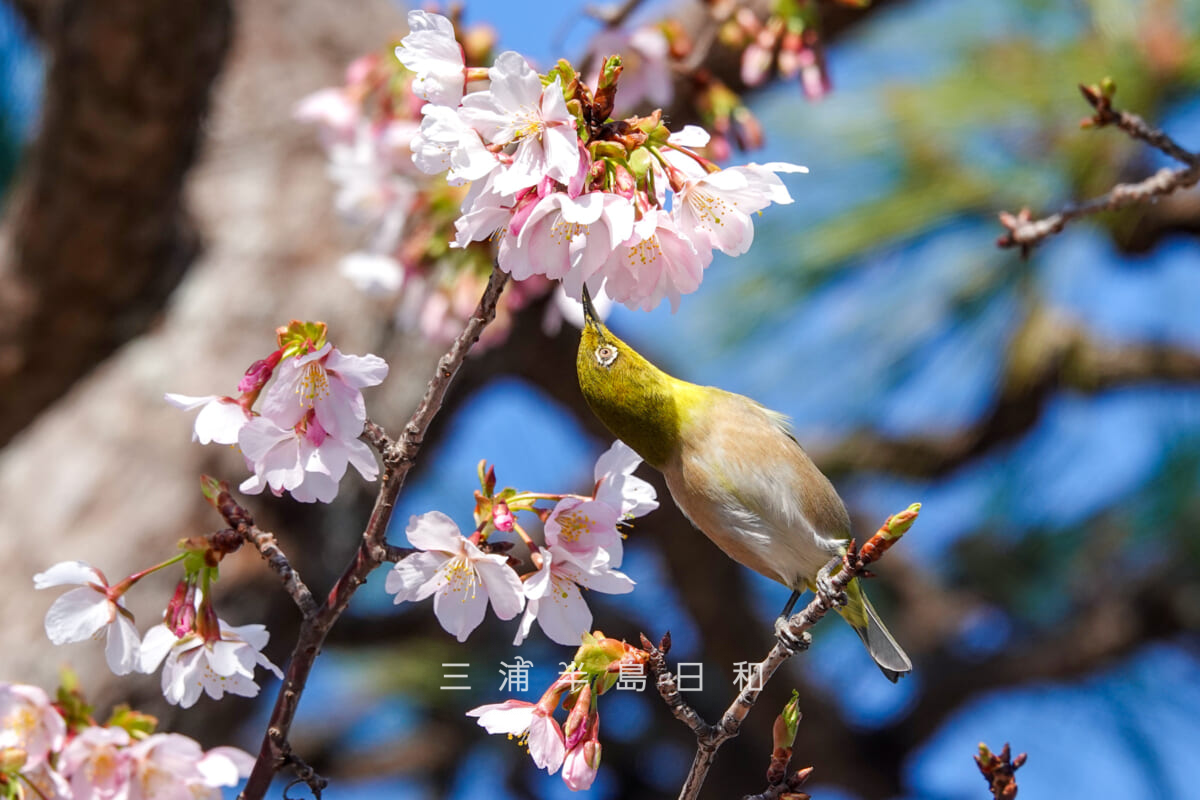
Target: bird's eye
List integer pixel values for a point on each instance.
(606, 354)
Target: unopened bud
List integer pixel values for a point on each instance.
(784, 731)
(502, 518)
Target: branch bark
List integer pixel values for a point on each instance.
(1049, 353)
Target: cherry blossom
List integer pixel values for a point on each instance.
(586, 530)
(554, 600)
(462, 578)
(85, 612)
(657, 262)
(305, 461)
(219, 420)
(569, 239)
(328, 382)
(169, 766)
(446, 142)
(531, 723)
(97, 764)
(29, 722)
(716, 208)
(617, 486)
(194, 663)
(431, 51)
(518, 109)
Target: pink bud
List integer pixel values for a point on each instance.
(502, 518)
(259, 373)
(181, 610)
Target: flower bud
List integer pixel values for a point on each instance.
(784, 731)
(502, 518)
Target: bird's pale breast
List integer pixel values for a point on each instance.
(744, 481)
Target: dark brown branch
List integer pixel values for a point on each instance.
(1049, 353)
(1024, 231)
(96, 236)
(373, 551)
(709, 738)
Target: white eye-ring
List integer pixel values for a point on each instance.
(606, 354)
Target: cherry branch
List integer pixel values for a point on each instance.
(1025, 232)
(830, 594)
(241, 521)
(398, 459)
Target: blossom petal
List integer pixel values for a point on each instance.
(68, 572)
(78, 615)
(434, 530)
(123, 648)
(411, 578)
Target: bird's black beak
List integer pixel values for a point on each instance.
(589, 311)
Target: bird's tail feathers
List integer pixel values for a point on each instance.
(888, 655)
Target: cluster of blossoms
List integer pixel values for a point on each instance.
(56, 751)
(406, 218)
(305, 432)
(623, 206)
(198, 652)
(582, 549)
(574, 745)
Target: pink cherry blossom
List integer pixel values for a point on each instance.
(569, 239)
(715, 209)
(582, 761)
(194, 664)
(332, 110)
(170, 766)
(328, 382)
(462, 578)
(431, 51)
(658, 262)
(517, 109)
(586, 530)
(98, 764)
(219, 420)
(553, 598)
(84, 613)
(531, 723)
(30, 723)
(304, 461)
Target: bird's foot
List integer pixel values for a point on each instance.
(793, 643)
(834, 597)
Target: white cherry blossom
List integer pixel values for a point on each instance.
(517, 109)
(194, 665)
(88, 611)
(431, 51)
(219, 420)
(531, 724)
(462, 578)
(552, 596)
(716, 209)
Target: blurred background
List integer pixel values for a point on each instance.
(164, 213)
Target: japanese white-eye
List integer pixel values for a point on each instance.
(735, 470)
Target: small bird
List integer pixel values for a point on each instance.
(735, 470)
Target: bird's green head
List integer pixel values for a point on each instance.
(634, 399)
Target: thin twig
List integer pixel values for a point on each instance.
(240, 519)
(854, 564)
(1024, 231)
(373, 551)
